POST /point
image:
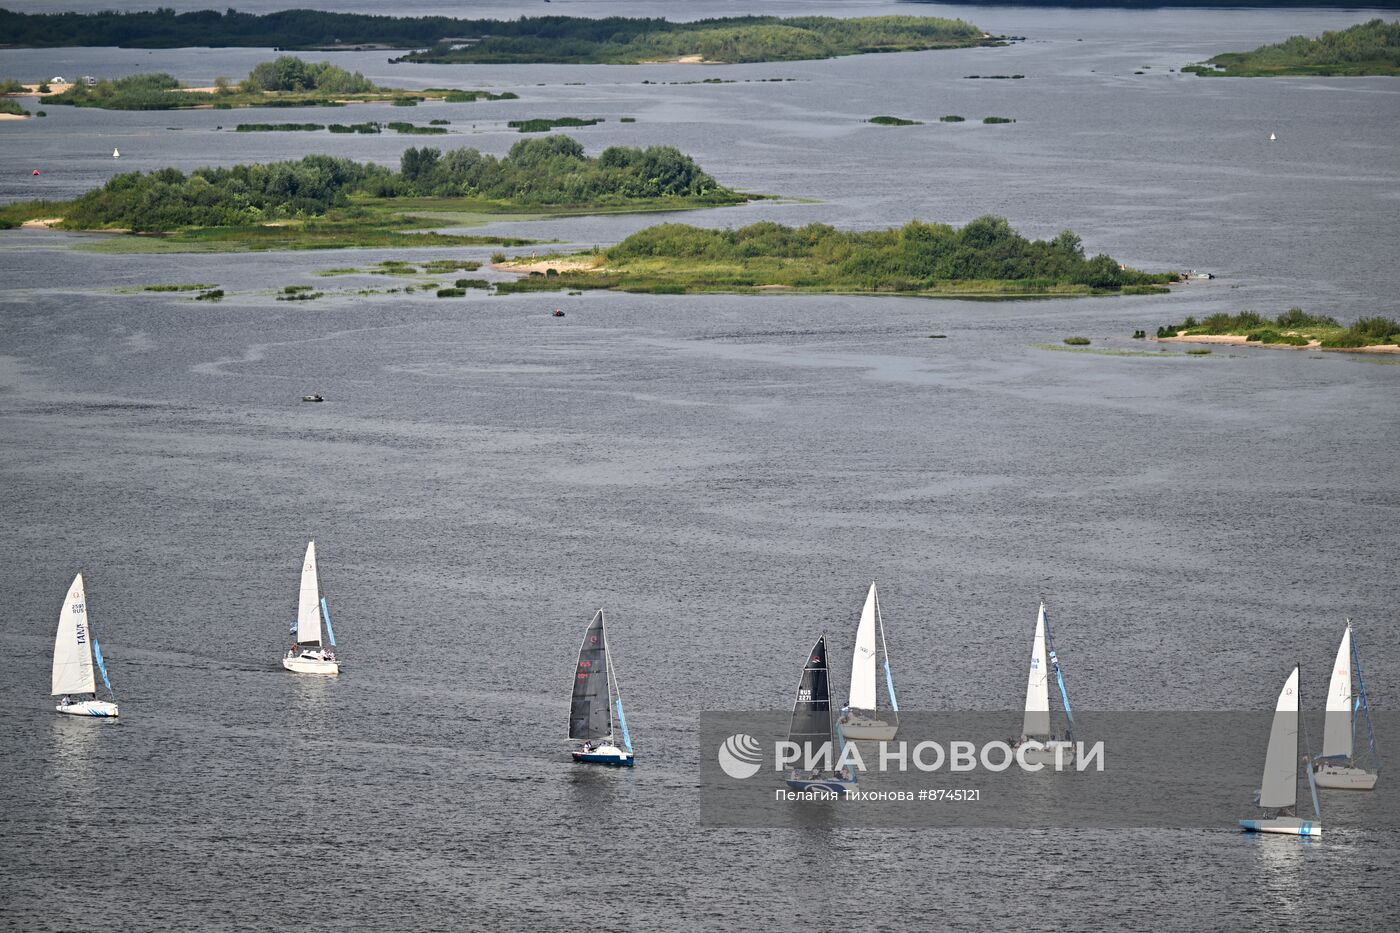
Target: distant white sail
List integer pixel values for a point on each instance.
(116, 154)
(72, 647)
(1280, 785)
(1336, 730)
(1038, 686)
(863, 663)
(309, 602)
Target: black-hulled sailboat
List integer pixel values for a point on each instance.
(814, 731)
(596, 696)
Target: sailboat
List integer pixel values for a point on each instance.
(307, 656)
(1273, 138)
(596, 696)
(1041, 744)
(1338, 767)
(116, 153)
(75, 648)
(861, 718)
(814, 731)
(1278, 794)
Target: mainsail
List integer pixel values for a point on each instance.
(72, 653)
(590, 716)
(1280, 785)
(1337, 727)
(864, 660)
(309, 601)
(811, 710)
(1037, 722)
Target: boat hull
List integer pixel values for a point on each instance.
(1284, 826)
(833, 785)
(99, 708)
(1336, 777)
(303, 664)
(869, 730)
(609, 755)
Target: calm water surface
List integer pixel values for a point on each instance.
(724, 474)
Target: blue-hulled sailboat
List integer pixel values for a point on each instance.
(596, 697)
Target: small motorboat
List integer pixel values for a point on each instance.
(558, 312)
(312, 398)
(35, 172)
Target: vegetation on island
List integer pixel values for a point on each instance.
(894, 121)
(1294, 327)
(1371, 48)
(614, 39)
(287, 81)
(951, 118)
(986, 258)
(322, 201)
(997, 120)
(1077, 341)
(13, 107)
(542, 125)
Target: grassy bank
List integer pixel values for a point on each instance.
(1371, 48)
(286, 82)
(1293, 328)
(985, 259)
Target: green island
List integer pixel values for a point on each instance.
(323, 202)
(984, 259)
(530, 39)
(1293, 328)
(894, 121)
(1371, 48)
(285, 82)
(13, 108)
(543, 125)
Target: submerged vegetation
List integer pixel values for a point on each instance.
(1294, 327)
(322, 201)
(543, 125)
(986, 258)
(1371, 48)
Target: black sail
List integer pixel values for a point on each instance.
(590, 717)
(811, 711)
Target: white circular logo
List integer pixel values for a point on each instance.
(740, 756)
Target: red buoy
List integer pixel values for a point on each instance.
(36, 171)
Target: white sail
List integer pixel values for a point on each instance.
(864, 661)
(1280, 785)
(309, 602)
(1038, 686)
(72, 647)
(116, 154)
(1336, 730)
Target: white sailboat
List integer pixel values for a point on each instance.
(75, 648)
(1339, 768)
(596, 696)
(116, 153)
(813, 730)
(307, 656)
(1041, 744)
(1273, 138)
(1278, 793)
(862, 719)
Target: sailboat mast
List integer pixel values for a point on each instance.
(1307, 746)
(612, 675)
(1365, 705)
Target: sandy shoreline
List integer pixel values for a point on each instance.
(13, 116)
(1238, 340)
(544, 265)
(46, 223)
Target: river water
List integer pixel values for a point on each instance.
(725, 475)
